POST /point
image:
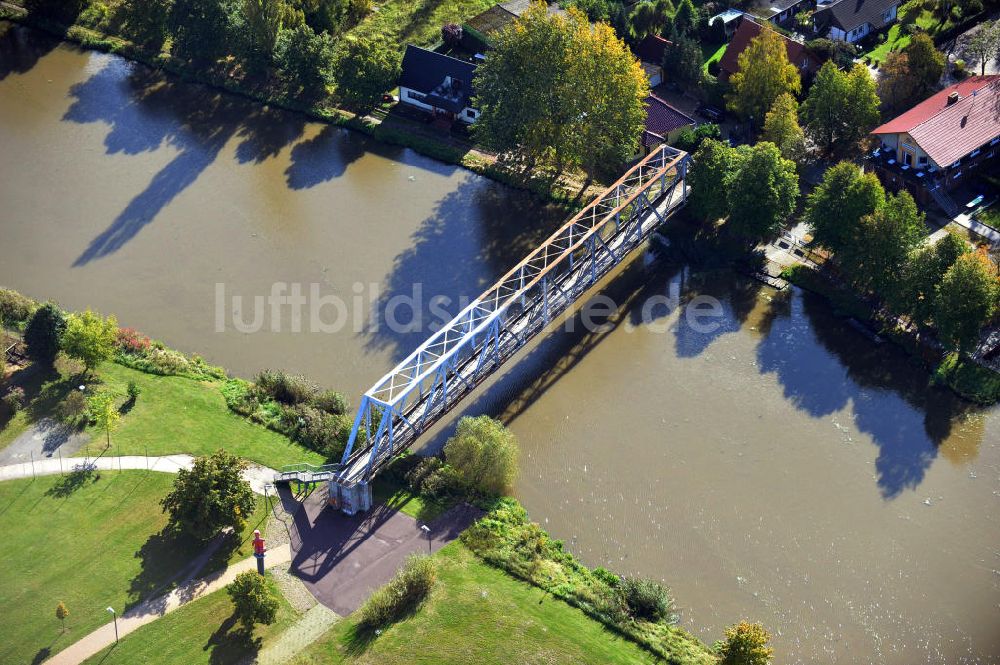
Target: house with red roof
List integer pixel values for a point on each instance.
(943, 140)
(746, 32)
(663, 123)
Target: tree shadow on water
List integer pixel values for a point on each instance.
(325, 157)
(146, 110)
(475, 234)
(21, 48)
(825, 366)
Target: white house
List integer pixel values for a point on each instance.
(438, 84)
(852, 20)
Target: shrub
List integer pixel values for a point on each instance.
(646, 599)
(73, 406)
(133, 391)
(14, 399)
(130, 340)
(285, 388)
(210, 496)
(484, 453)
(15, 309)
(317, 429)
(253, 600)
(402, 595)
(44, 333)
(332, 402)
(746, 644)
(451, 34)
(146, 21)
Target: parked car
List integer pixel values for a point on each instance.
(712, 113)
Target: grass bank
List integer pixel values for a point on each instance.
(89, 541)
(204, 631)
(478, 614)
(180, 415)
(965, 378)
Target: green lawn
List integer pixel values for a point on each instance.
(405, 501)
(912, 12)
(178, 415)
(478, 614)
(202, 632)
(90, 542)
(418, 21)
(711, 54)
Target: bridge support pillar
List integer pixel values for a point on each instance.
(351, 499)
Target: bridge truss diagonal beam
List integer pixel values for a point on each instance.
(493, 327)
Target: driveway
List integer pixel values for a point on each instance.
(957, 48)
(42, 440)
(342, 559)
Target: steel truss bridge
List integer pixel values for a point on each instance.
(425, 386)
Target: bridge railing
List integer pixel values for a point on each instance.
(405, 401)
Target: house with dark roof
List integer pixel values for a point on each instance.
(746, 32)
(943, 140)
(438, 84)
(852, 20)
(780, 11)
(663, 123)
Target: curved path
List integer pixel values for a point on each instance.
(258, 476)
(155, 608)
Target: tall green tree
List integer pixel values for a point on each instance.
(841, 109)
(365, 68)
(260, 25)
(682, 62)
(210, 496)
(926, 63)
(835, 208)
(650, 18)
(876, 256)
(924, 271)
(746, 644)
(484, 453)
(967, 299)
(43, 334)
(896, 85)
(714, 163)
(557, 88)
(200, 28)
(145, 22)
(764, 75)
(253, 600)
(762, 193)
(90, 338)
(305, 60)
(781, 127)
(686, 19)
(103, 412)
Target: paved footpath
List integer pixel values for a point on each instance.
(155, 608)
(257, 476)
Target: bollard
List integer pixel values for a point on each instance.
(258, 550)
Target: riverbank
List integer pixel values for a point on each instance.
(964, 377)
(382, 126)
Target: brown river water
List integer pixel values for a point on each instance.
(779, 467)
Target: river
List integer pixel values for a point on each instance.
(776, 465)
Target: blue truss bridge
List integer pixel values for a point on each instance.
(433, 379)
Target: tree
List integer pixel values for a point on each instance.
(713, 165)
(764, 75)
(685, 19)
(146, 22)
(781, 127)
(104, 413)
(61, 614)
(261, 23)
(650, 18)
(746, 644)
(365, 68)
(305, 60)
(835, 208)
(555, 87)
(682, 62)
(200, 28)
(43, 334)
(762, 193)
(876, 255)
(253, 600)
(324, 15)
(967, 299)
(923, 273)
(690, 139)
(210, 496)
(840, 52)
(926, 63)
(64, 11)
(484, 453)
(90, 338)
(841, 109)
(985, 44)
(896, 84)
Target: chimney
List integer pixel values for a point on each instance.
(952, 98)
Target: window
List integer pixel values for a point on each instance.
(472, 113)
(957, 175)
(974, 152)
(416, 96)
(922, 160)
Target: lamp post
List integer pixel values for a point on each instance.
(426, 529)
(115, 615)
